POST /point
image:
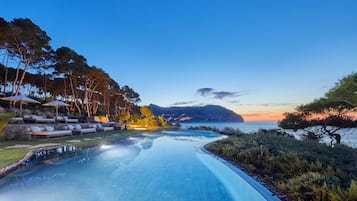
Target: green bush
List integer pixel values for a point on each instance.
(4, 119)
(338, 194)
(303, 169)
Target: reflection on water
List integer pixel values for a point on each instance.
(165, 166)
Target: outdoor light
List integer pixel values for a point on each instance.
(104, 146)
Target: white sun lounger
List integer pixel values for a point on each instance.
(48, 132)
(78, 129)
(101, 128)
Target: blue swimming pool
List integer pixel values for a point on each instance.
(164, 166)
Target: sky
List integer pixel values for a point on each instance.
(258, 58)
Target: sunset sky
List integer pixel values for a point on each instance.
(257, 58)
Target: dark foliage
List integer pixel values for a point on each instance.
(305, 170)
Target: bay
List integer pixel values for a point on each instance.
(349, 136)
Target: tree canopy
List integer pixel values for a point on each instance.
(326, 116)
(30, 66)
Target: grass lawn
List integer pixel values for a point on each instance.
(9, 156)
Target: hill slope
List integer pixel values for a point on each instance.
(208, 113)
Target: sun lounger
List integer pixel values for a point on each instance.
(115, 125)
(78, 129)
(37, 119)
(48, 132)
(16, 120)
(100, 128)
(72, 120)
(65, 119)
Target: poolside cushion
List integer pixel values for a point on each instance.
(49, 128)
(34, 117)
(36, 129)
(65, 127)
(77, 127)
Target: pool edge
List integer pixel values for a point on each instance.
(257, 185)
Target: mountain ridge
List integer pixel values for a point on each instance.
(196, 114)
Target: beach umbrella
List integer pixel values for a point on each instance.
(22, 99)
(56, 104)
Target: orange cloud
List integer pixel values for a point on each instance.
(272, 116)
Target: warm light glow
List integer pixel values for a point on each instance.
(104, 146)
(264, 116)
(274, 112)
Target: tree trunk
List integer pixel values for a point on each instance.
(22, 77)
(6, 71)
(65, 92)
(86, 98)
(74, 95)
(16, 76)
(45, 85)
(333, 136)
(65, 88)
(337, 138)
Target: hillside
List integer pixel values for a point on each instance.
(208, 113)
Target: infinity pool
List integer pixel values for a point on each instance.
(168, 166)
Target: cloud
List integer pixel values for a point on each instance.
(262, 116)
(270, 104)
(183, 103)
(224, 94)
(204, 91)
(252, 114)
(216, 94)
(235, 102)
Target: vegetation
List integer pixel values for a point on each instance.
(327, 115)
(304, 170)
(9, 156)
(29, 65)
(146, 119)
(204, 128)
(4, 119)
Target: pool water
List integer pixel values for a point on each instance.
(165, 166)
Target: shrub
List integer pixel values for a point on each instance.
(338, 194)
(4, 119)
(303, 169)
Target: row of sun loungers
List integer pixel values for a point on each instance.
(65, 119)
(67, 130)
(40, 119)
(37, 119)
(48, 131)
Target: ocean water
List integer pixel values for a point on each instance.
(349, 136)
(246, 127)
(169, 166)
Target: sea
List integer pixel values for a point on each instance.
(349, 136)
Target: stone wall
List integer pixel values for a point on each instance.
(16, 132)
